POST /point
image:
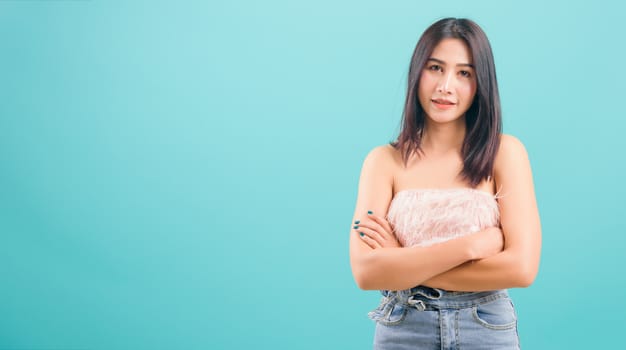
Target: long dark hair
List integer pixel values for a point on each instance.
(483, 119)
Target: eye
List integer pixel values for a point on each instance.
(465, 73)
(435, 67)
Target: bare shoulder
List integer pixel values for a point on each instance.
(379, 166)
(512, 167)
(511, 150)
(510, 143)
(382, 156)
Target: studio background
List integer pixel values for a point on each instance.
(182, 174)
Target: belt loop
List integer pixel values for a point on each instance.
(430, 293)
(440, 293)
(418, 304)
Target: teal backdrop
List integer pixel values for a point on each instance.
(182, 174)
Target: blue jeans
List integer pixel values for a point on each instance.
(429, 318)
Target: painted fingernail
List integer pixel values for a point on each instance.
(362, 234)
(369, 212)
(357, 222)
(356, 227)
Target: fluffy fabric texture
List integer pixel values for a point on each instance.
(429, 216)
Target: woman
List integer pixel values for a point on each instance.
(446, 217)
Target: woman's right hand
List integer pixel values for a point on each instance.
(486, 243)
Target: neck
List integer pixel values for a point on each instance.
(443, 138)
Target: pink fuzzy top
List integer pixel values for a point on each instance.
(428, 216)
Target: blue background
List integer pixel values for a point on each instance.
(181, 174)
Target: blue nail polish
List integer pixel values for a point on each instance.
(362, 234)
(357, 222)
(356, 227)
(370, 212)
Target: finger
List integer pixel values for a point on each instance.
(373, 234)
(376, 223)
(374, 230)
(387, 235)
(368, 240)
(380, 221)
(371, 224)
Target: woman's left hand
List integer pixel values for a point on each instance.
(376, 232)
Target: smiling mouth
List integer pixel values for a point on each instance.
(443, 102)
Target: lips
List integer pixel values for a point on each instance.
(441, 101)
(443, 104)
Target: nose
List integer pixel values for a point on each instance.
(444, 85)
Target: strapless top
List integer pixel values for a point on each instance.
(429, 216)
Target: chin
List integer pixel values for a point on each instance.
(445, 119)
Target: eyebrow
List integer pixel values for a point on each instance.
(458, 65)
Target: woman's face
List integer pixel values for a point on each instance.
(448, 83)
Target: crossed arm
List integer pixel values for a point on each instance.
(494, 258)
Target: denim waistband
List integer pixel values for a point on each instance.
(426, 298)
